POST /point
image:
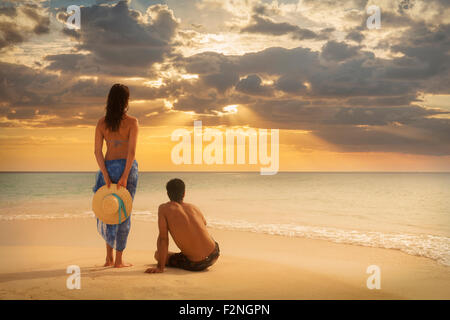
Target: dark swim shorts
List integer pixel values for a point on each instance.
(179, 260)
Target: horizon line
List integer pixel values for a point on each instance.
(256, 171)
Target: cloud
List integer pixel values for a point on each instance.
(72, 63)
(252, 84)
(361, 74)
(8, 11)
(42, 22)
(35, 95)
(265, 9)
(10, 35)
(341, 88)
(355, 35)
(378, 116)
(15, 84)
(120, 40)
(425, 50)
(425, 137)
(338, 51)
(19, 22)
(360, 90)
(265, 25)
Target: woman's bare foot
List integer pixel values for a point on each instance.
(119, 263)
(109, 256)
(122, 265)
(109, 263)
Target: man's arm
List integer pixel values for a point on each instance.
(162, 243)
(163, 240)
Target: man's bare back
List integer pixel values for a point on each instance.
(187, 226)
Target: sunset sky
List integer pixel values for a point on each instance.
(345, 97)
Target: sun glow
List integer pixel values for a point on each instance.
(189, 76)
(154, 83)
(232, 108)
(95, 78)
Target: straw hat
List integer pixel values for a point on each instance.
(107, 202)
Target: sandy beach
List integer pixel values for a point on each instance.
(36, 253)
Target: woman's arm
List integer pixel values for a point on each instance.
(98, 151)
(131, 153)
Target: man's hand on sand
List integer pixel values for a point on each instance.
(154, 270)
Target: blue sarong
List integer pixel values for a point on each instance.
(116, 235)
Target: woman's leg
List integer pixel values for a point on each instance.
(123, 230)
(119, 262)
(109, 256)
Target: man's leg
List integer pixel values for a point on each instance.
(119, 263)
(109, 256)
(169, 254)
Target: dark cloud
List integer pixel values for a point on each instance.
(291, 83)
(402, 100)
(265, 25)
(27, 94)
(13, 31)
(8, 11)
(355, 35)
(10, 35)
(119, 40)
(426, 51)
(378, 116)
(216, 69)
(16, 82)
(71, 62)
(252, 84)
(432, 138)
(279, 61)
(221, 81)
(264, 9)
(360, 75)
(104, 1)
(42, 22)
(338, 51)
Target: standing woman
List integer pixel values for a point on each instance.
(120, 132)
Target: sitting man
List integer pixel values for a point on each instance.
(187, 226)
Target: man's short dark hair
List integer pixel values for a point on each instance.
(175, 190)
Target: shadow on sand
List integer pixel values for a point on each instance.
(95, 272)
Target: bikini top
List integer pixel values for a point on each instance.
(117, 143)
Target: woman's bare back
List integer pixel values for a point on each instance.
(117, 141)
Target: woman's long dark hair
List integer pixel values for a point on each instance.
(116, 106)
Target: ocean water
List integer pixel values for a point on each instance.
(404, 211)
